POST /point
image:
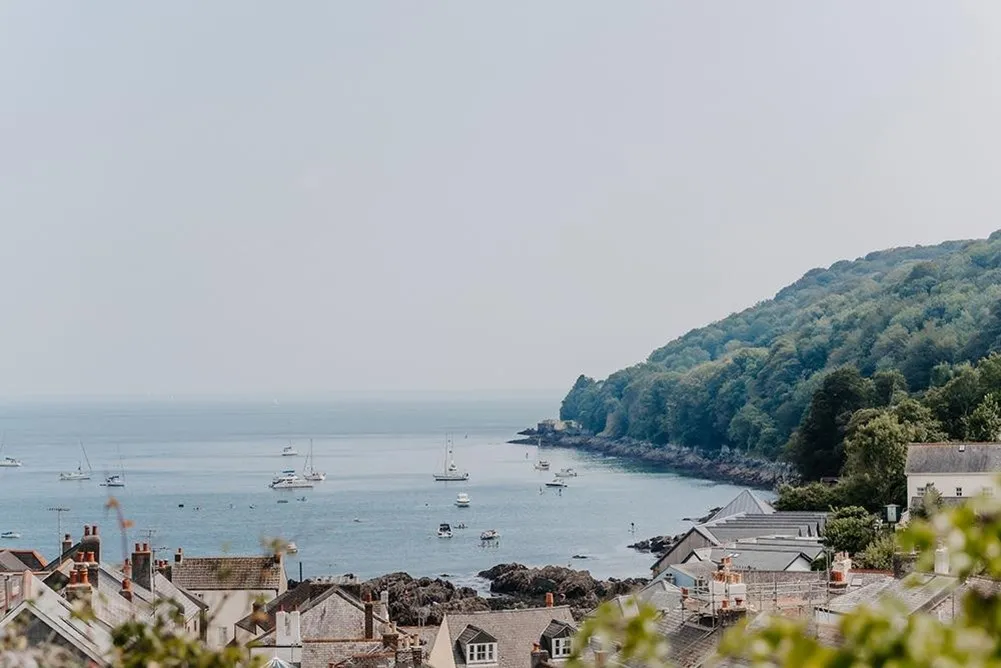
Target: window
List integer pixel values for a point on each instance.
(481, 652)
(561, 647)
(959, 491)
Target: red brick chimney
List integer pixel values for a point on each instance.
(549, 599)
(79, 588)
(67, 543)
(91, 542)
(126, 591)
(418, 654)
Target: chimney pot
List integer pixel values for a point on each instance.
(84, 579)
(79, 557)
(86, 530)
(93, 530)
(369, 619)
(74, 577)
(179, 557)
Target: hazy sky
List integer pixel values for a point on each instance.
(272, 198)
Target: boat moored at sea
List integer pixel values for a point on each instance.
(289, 451)
(444, 530)
(462, 500)
(289, 480)
(7, 462)
(310, 472)
(568, 472)
(292, 548)
(450, 472)
(114, 480)
(10, 535)
(556, 482)
(490, 534)
(79, 474)
(542, 465)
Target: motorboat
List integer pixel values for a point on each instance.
(542, 465)
(10, 535)
(7, 462)
(289, 480)
(462, 500)
(450, 472)
(490, 534)
(292, 548)
(556, 482)
(79, 474)
(289, 451)
(444, 530)
(310, 472)
(114, 480)
(568, 472)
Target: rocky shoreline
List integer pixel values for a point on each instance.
(730, 467)
(417, 601)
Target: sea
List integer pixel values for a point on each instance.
(197, 473)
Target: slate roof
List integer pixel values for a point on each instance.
(515, 630)
(947, 458)
(314, 624)
(916, 593)
(747, 503)
(9, 563)
(228, 573)
(299, 598)
(31, 559)
(698, 570)
(757, 560)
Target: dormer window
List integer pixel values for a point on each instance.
(561, 648)
(481, 652)
(479, 647)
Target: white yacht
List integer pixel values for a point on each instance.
(289, 480)
(10, 535)
(79, 474)
(542, 465)
(292, 548)
(444, 530)
(490, 534)
(450, 472)
(568, 472)
(556, 482)
(114, 480)
(289, 451)
(462, 500)
(311, 473)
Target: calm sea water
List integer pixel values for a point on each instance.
(217, 459)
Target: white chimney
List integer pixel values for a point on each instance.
(281, 629)
(941, 561)
(295, 633)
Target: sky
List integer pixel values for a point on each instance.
(256, 198)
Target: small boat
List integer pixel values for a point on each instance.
(568, 472)
(289, 451)
(113, 481)
(292, 548)
(282, 500)
(444, 530)
(462, 500)
(10, 535)
(450, 472)
(542, 465)
(461, 525)
(490, 534)
(8, 462)
(310, 470)
(79, 474)
(556, 482)
(289, 480)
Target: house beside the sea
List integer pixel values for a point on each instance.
(955, 470)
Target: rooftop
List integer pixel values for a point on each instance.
(953, 458)
(515, 630)
(228, 573)
(747, 503)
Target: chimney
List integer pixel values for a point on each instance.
(93, 567)
(91, 542)
(549, 599)
(79, 588)
(418, 653)
(384, 603)
(369, 618)
(142, 566)
(390, 638)
(67, 544)
(126, 591)
(941, 561)
(179, 557)
(540, 657)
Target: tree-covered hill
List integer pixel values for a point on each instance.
(902, 317)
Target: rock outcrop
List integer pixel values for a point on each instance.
(658, 545)
(732, 467)
(415, 601)
(518, 586)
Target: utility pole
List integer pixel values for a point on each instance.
(59, 510)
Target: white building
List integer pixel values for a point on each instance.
(954, 470)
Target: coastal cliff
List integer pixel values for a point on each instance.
(731, 467)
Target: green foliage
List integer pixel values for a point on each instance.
(878, 554)
(139, 644)
(886, 634)
(903, 317)
(850, 529)
(633, 637)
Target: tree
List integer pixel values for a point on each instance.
(817, 449)
(984, 423)
(850, 530)
(876, 449)
(878, 554)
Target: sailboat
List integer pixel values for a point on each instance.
(7, 462)
(450, 471)
(310, 472)
(79, 474)
(115, 479)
